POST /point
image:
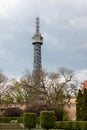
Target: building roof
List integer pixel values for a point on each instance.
(85, 84)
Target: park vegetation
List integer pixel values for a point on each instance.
(81, 106)
(44, 98)
(30, 120)
(48, 91)
(47, 119)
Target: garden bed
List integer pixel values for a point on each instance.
(11, 126)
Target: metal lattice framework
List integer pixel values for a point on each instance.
(37, 42)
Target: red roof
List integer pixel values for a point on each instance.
(85, 84)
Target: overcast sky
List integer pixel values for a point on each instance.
(63, 24)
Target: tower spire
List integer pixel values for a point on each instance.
(37, 25)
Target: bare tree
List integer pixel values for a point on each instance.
(52, 88)
(3, 85)
(63, 83)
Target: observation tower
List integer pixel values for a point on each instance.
(37, 41)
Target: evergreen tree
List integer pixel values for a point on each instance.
(79, 105)
(84, 106)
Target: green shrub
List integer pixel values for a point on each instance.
(58, 124)
(47, 119)
(8, 119)
(61, 125)
(38, 122)
(71, 125)
(60, 113)
(30, 120)
(82, 125)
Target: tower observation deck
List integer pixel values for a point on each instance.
(37, 41)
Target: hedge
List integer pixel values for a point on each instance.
(30, 120)
(8, 119)
(71, 125)
(47, 119)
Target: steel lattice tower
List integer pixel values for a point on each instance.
(37, 41)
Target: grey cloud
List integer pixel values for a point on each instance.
(63, 26)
